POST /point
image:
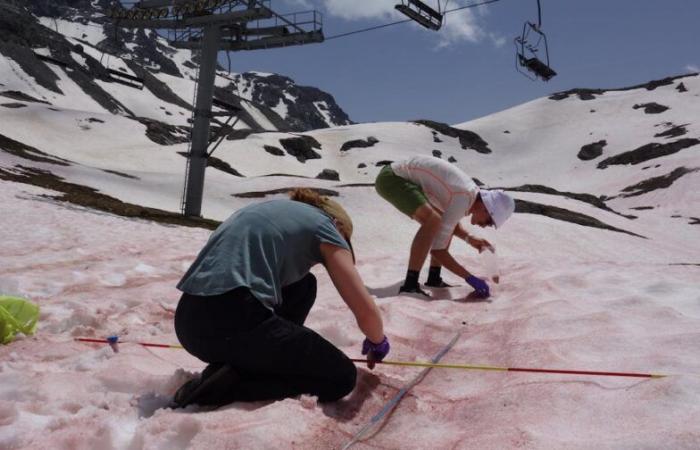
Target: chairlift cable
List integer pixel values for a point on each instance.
(367, 29)
(471, 5)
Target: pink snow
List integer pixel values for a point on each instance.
(569, 297)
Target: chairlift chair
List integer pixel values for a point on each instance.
(421, 13)
(530, 45)
(126, 79)
(116, 76)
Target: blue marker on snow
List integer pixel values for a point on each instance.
(113, 342)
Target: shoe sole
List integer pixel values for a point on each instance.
(205, 386)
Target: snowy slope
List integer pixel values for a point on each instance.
(571, 296)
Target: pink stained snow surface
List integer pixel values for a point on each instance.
(569, 298)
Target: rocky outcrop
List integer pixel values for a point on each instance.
(16, 95)
(654, 183)
(673, 131)
(554, 212)
(91, 198)
(163, 133)
(301, 147)
(328, 174)
(592, 150)
(590, 94)
(359, 143)
(598, 202)
(648, 151)
(261, 194)
(467, 139)
(651, 108)
(29, 153)
(271, 149)
(308, 108)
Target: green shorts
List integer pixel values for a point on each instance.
(406, 196)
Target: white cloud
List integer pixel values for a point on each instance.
(459, 26)
(692, 68)
(498, 40)
(465, 26)
(350, 9)
(354, 10)
(305, 4)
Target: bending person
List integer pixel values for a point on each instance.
(247, 295)
(437, 195)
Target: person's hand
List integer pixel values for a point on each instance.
(480, 244)
(479, 285)
(375, 352)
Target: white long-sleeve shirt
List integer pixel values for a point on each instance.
(447, 188)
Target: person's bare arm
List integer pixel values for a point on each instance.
(338, 263)
(461, 232)
(479, 244)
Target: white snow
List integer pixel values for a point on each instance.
(281, 108)
(73, 96)
(322, 108)
(261, 74)
(90, 32)
(258, 116)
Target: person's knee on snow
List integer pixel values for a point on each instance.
(342, 385)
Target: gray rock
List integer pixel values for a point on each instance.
(467, 139)
(651, 108)
(359, 143)
(592, 150)
(301, 147)
(328, 174)
(271, 149)
(648, 151)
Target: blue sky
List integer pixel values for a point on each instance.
(467, 69)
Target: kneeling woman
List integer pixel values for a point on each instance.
(247, 295)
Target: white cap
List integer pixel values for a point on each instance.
(499, 205)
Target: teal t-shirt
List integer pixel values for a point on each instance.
(263, 247)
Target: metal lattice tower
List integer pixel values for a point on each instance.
(210, 26)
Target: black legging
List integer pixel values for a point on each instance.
(274, 355)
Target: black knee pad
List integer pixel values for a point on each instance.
(345, 383)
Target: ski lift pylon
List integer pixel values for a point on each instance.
(422, 13)
(530, 45)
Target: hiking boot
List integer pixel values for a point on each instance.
(439, 283)
(413, 290)
(184, 393)
(214, 387)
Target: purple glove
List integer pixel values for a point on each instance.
(479, 285)
(376, 352)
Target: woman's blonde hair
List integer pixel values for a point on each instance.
(308, 196)
(330, 207)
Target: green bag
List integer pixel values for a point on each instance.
(16, 314)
